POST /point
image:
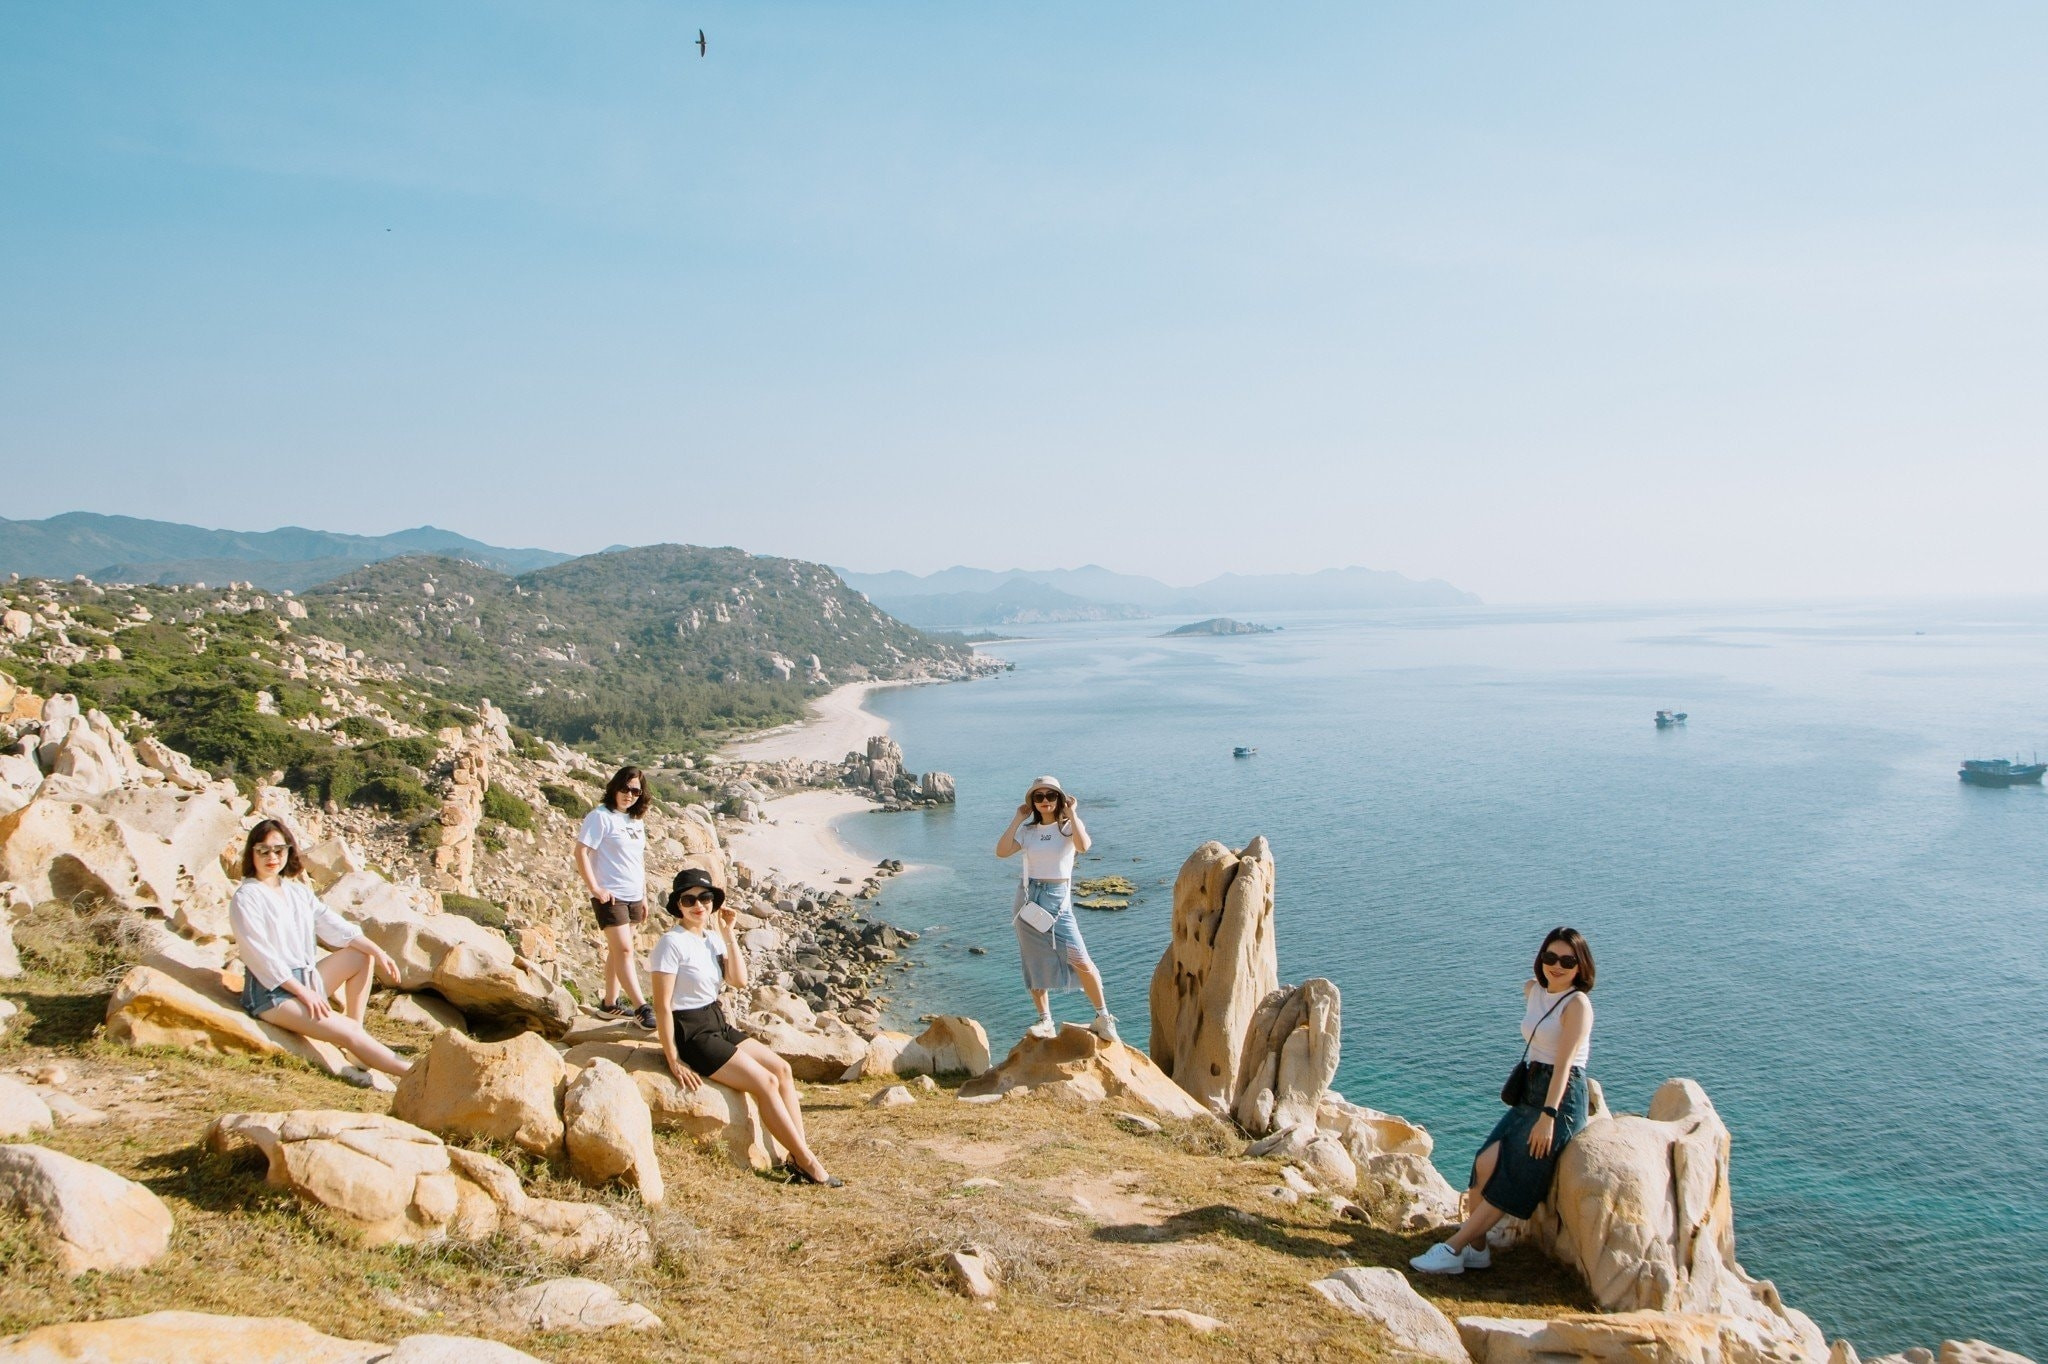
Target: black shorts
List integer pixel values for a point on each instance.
(704, 1040)
(613, 912)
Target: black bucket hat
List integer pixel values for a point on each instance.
(694, 878)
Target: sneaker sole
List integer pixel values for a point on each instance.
(1454, 1269)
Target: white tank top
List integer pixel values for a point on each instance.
(1543, 1038)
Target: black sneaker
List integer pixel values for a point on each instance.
(645, 1014)
(616, 1008)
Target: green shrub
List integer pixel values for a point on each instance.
(396, 792)
(363, 729)
(506, 808)
(564, 798)
(486, 912)
(418, 752)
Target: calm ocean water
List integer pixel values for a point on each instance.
(1792, 899)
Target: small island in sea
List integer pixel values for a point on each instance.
(1223, 625)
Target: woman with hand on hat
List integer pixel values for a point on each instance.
(689, 967)
(1048, 936)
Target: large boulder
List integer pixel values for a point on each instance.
(90, 1218)
(821, 1054)
(188, 1338)
(710, 1113)
(1397, 1187)
(1641, 1207)
(1076, 1064)
(194, 831)
(167, 1003)
(175, 767)
(1411, 1321)
(166, 859)
(1640, 1337)
(1290, 1057)
(396, 1184)
(20, 778)
(85, 756)
(950, 1044)
(610, 1131)
(502, 1091)
(465, 963)
(1218, 967)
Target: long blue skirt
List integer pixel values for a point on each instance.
(1050, 958)
(1521, 1182)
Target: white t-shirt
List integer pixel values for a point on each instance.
(618, 852)
(697, 961)
(1048, 852)
(278, 932)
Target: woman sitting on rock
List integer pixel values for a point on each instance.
(1048, 936)
(611, 856)
(689, 966)
(279, 923)
(1516, 1164)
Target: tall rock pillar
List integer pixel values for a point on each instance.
(1218, 968)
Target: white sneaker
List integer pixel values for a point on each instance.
(1104, 1027)
(1438, 1259)
(1477, 1257)
(1044, 1027)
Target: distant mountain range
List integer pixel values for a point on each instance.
(127, 549)
(978, 596)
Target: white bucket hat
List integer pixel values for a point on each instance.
(1043, 784)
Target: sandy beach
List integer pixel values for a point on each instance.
(797, 839)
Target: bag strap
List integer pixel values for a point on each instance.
(1531, 1041)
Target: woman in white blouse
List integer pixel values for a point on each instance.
(279, 923)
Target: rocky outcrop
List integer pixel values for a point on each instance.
(508, 1091)
(166, 1003)
(1626, 1338)
(1396, 1185)
(950, 1044)
(1411, 1321)
(461, 815)
(396, 1184)
(134, 848)
(1290, 1057)
(1219, 966)
(468, 965)
(1642, 1209)
(610, 1132)
(89, 1217)
(1076, 1064)
(202, 1338)
(823, 1053)
(711, 1113)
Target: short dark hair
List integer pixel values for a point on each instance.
(638, 809)
(1576, 941)
(264, 827)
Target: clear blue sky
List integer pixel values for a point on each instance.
(1557, 301)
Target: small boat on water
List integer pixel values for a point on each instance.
(1667, 718)
(1242, 751)
(2001, 772)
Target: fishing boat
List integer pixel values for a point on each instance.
(2001, 772)
(1243, 751)
(1667, 718)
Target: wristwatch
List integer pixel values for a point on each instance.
(1549, 1112)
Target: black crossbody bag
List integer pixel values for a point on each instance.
(1518, 1078)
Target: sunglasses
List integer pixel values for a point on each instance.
(696, 897)
(274, 849)
(1561, 963)
(1044, 798)
(629, 790)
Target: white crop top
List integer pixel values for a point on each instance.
(1543, 1038)
(1048, 851)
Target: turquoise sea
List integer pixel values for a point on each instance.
(1791, 899)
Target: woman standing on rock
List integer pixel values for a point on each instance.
(1517, 1163)
(1048, 936)
(279, 924)
(689, 967)
(611, 856)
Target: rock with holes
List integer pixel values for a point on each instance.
(710, 1113)
(1413, 1323)
(467, 964)
(1641, 1207)
(1076, 1064)
(89, 1217)
(167, 859)
(507, 1091)
(1218, 967)
(610, 1132)
(578, 1306)
(166, 1003)
(1397, 1187)
(1290, 1057)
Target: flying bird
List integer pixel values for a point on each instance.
(700, 42)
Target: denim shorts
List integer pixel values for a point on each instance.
(258, 999)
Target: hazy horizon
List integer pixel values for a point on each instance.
(1594, 304)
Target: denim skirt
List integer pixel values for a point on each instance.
(1520, 1181)
(1050, 957)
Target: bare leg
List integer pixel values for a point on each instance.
(342, 1031)
(349, 974)
(1043, 1000)
(1091, 984)
(618, 964)
(750, 1077)
(785, 1082)
(1480, 1215)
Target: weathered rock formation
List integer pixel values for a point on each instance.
(1219, 966)
(577, 1306)
(711, 1113)
(1627, 1338)
(462, 814)
(1076, 1064)
(610, 1132)
(135, 848)
(1411, 1321)
(507, 1091)
(1290, 1057)
(202, 1338)
(89, 1217)
(1642, 1209)
(950, 1045)
(397, 1184)
(167, 1003)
